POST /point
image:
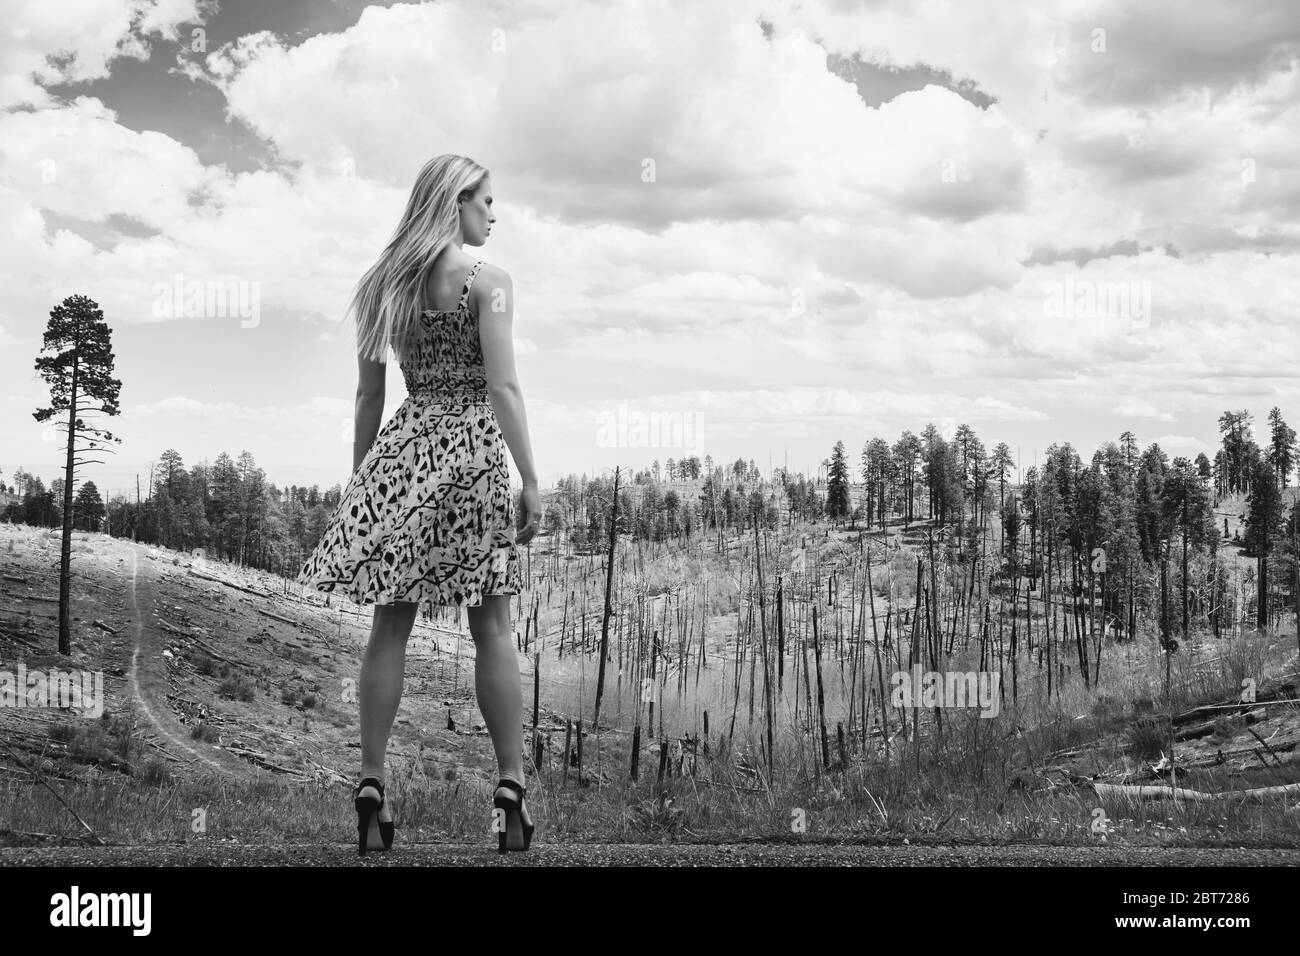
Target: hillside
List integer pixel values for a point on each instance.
(225, 689)
(263, 677)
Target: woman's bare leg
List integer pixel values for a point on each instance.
(500, 698)
(496, 681)
(382, 672)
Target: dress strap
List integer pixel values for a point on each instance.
(469, 281)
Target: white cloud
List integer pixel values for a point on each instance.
(773, 180)
(1133, 407)
(82, 36)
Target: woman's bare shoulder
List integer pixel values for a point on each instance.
(493, 280)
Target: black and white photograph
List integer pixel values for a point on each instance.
(791, 434)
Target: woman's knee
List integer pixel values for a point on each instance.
(396, 619)
(490, 621)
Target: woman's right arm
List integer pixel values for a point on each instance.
(370, 406)
(494, 296)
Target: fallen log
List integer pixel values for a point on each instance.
(1181, 793)
(1256, 713)
(230, 584)
(9, 635)
(261, 760)
(1063, 754)
(1198, 730)
(103, 627)
(1241, 705)
(277, 617)
(33, 838)
(1211, 760)
(169, 756)
(221, 657)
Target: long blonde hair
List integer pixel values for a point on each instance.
(387, 299)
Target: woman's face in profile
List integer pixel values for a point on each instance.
(476, 214)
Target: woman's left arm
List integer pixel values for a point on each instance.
(370, 406)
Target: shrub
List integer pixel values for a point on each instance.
(1143, 704)
(236, 687)
(1148, 736)
(62, 733)
(121, 736)
(1224, 729)
(108, 740)
(1105, 707)
(155, 772)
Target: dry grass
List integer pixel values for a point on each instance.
(983, 780)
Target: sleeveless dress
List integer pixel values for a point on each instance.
(427, 516)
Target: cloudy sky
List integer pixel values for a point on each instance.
(785, 223)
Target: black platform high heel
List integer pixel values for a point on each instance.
(368, 808)
(514, 823)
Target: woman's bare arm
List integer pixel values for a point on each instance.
(494, 297)
(370, 406)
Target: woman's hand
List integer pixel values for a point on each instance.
(528, 514)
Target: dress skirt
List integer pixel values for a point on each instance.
(427, 516)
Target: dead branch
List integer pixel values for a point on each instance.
(261, 760)
(277, 617)
(230, 584)
(221, 657)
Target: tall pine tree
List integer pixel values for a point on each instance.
(79, 373)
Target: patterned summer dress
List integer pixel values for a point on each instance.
(427, 516)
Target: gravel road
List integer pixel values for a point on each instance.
(459, 854)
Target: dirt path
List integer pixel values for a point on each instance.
(148, 679)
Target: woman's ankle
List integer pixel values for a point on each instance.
(516, 775)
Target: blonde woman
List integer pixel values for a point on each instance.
(426, 518)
